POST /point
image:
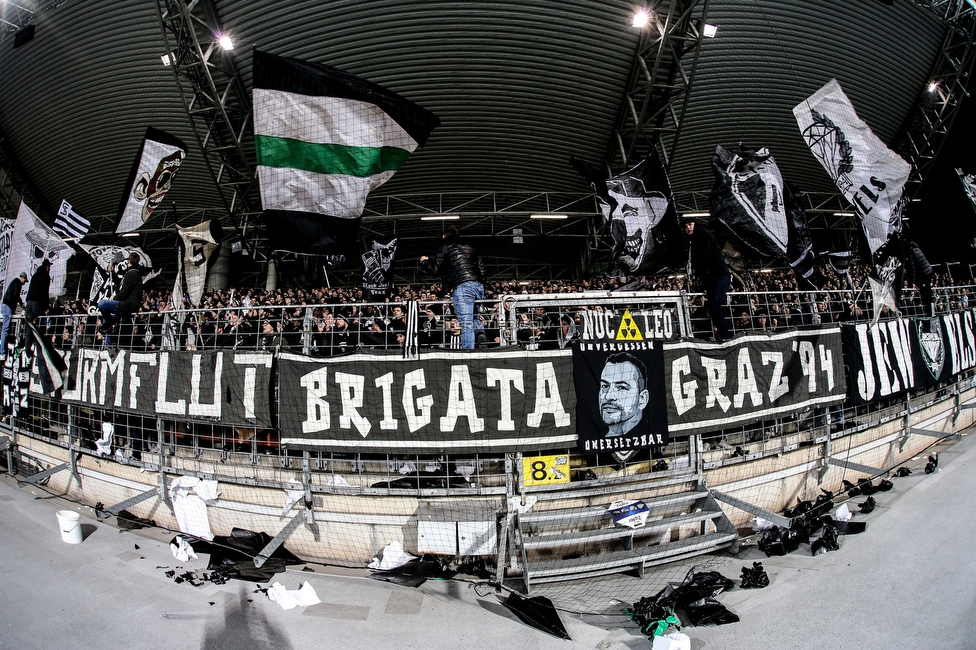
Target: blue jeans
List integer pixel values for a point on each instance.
(110, 312)
(7, 315)
(464, 297)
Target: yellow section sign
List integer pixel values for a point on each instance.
(628, 330)
(545, 470)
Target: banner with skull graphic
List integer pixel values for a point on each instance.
(6, 237)
(32, 243)
(153, 171)
(639, 207)
(111, 263)
(378, 256)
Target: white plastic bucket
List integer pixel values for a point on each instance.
(70, 523)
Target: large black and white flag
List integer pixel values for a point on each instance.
(155, 167)
(33, 242)
(50, 366)
(324, 139)
(111, 263)
(198, 245)
(869, 174)
(6, 238)
(757, 206)
(639, 206)
(968, 185)
(379, 254)
(69, 223)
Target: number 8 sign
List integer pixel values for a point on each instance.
(545, 470)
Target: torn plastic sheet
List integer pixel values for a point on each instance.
(393, 557)
(296, 598)
(128, 521)
(843, 513)
(182, 550)
(629, 513)
(537, 612)
(755, 577)
(411, 574)
(759, 524)
(335, 480)
(191, 509)
(827, 542)
(845, 527)
(233, 556)
(516, 504)
(294, 496)
(867, 506)
(778, 541)
(933, 464)
(709, 611)
(673, 641)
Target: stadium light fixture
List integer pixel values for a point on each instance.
(131, 234)
(548, 216)
(441, 217)
(168, 59)
(226, 42)
(933, 86)
(843, 214)
(697, 215)
(709, 31)
(641, 18)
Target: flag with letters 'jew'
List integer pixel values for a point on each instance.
(324, 139)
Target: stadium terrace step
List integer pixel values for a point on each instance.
(635, 560)
(627, 535)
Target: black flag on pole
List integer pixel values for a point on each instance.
(51, 367)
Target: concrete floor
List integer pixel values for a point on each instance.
(908, 582)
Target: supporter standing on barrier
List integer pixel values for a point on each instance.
(464, 276)
(709, 269)
(11, 298)
(37, 297)
(127, 298)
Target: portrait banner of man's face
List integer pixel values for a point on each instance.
(620, 402)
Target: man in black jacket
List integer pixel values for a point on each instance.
(11, 299)
(709, 269)
(464, 274)
(37, 292)
(127, 299)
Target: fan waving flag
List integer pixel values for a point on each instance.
(323, 140)
(48, 362)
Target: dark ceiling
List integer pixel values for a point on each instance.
(519, 86)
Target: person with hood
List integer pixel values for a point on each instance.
(37, 292)
(127, 299)
(463, 272)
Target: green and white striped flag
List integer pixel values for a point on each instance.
(324, 139)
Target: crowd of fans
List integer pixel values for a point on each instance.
(329, 321)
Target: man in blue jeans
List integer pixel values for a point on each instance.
(11, 299)
(464, 275)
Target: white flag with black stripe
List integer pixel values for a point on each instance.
(69, 223)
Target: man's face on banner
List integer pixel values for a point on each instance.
(623, 396)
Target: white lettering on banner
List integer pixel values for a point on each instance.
(252, 361)
(134, 381)
(682, 394)
(889, 345)
(112, 367)
(316, 406)
(162, 405)
(746, 381)
(461, 402)
(385, 384)
(351, 394)
(658, 324)
(196, 407)
(962, 348)
(623, 442)
(716, 378)
(778, 385)
(415, 380)
(808, 364)
(89, 364)
(827, 363)
(506, 378)
(547, 399)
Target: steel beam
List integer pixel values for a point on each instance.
(779, 520)
(40, 476)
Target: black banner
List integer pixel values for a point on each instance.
(710, 386)
(620, 403)
(228, 387)
(502, 401)
(902, 354)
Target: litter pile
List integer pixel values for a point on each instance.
(811, 523)
(695, 598)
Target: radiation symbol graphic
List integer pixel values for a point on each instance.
(628, 330)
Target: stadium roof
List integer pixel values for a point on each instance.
(519, 86)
